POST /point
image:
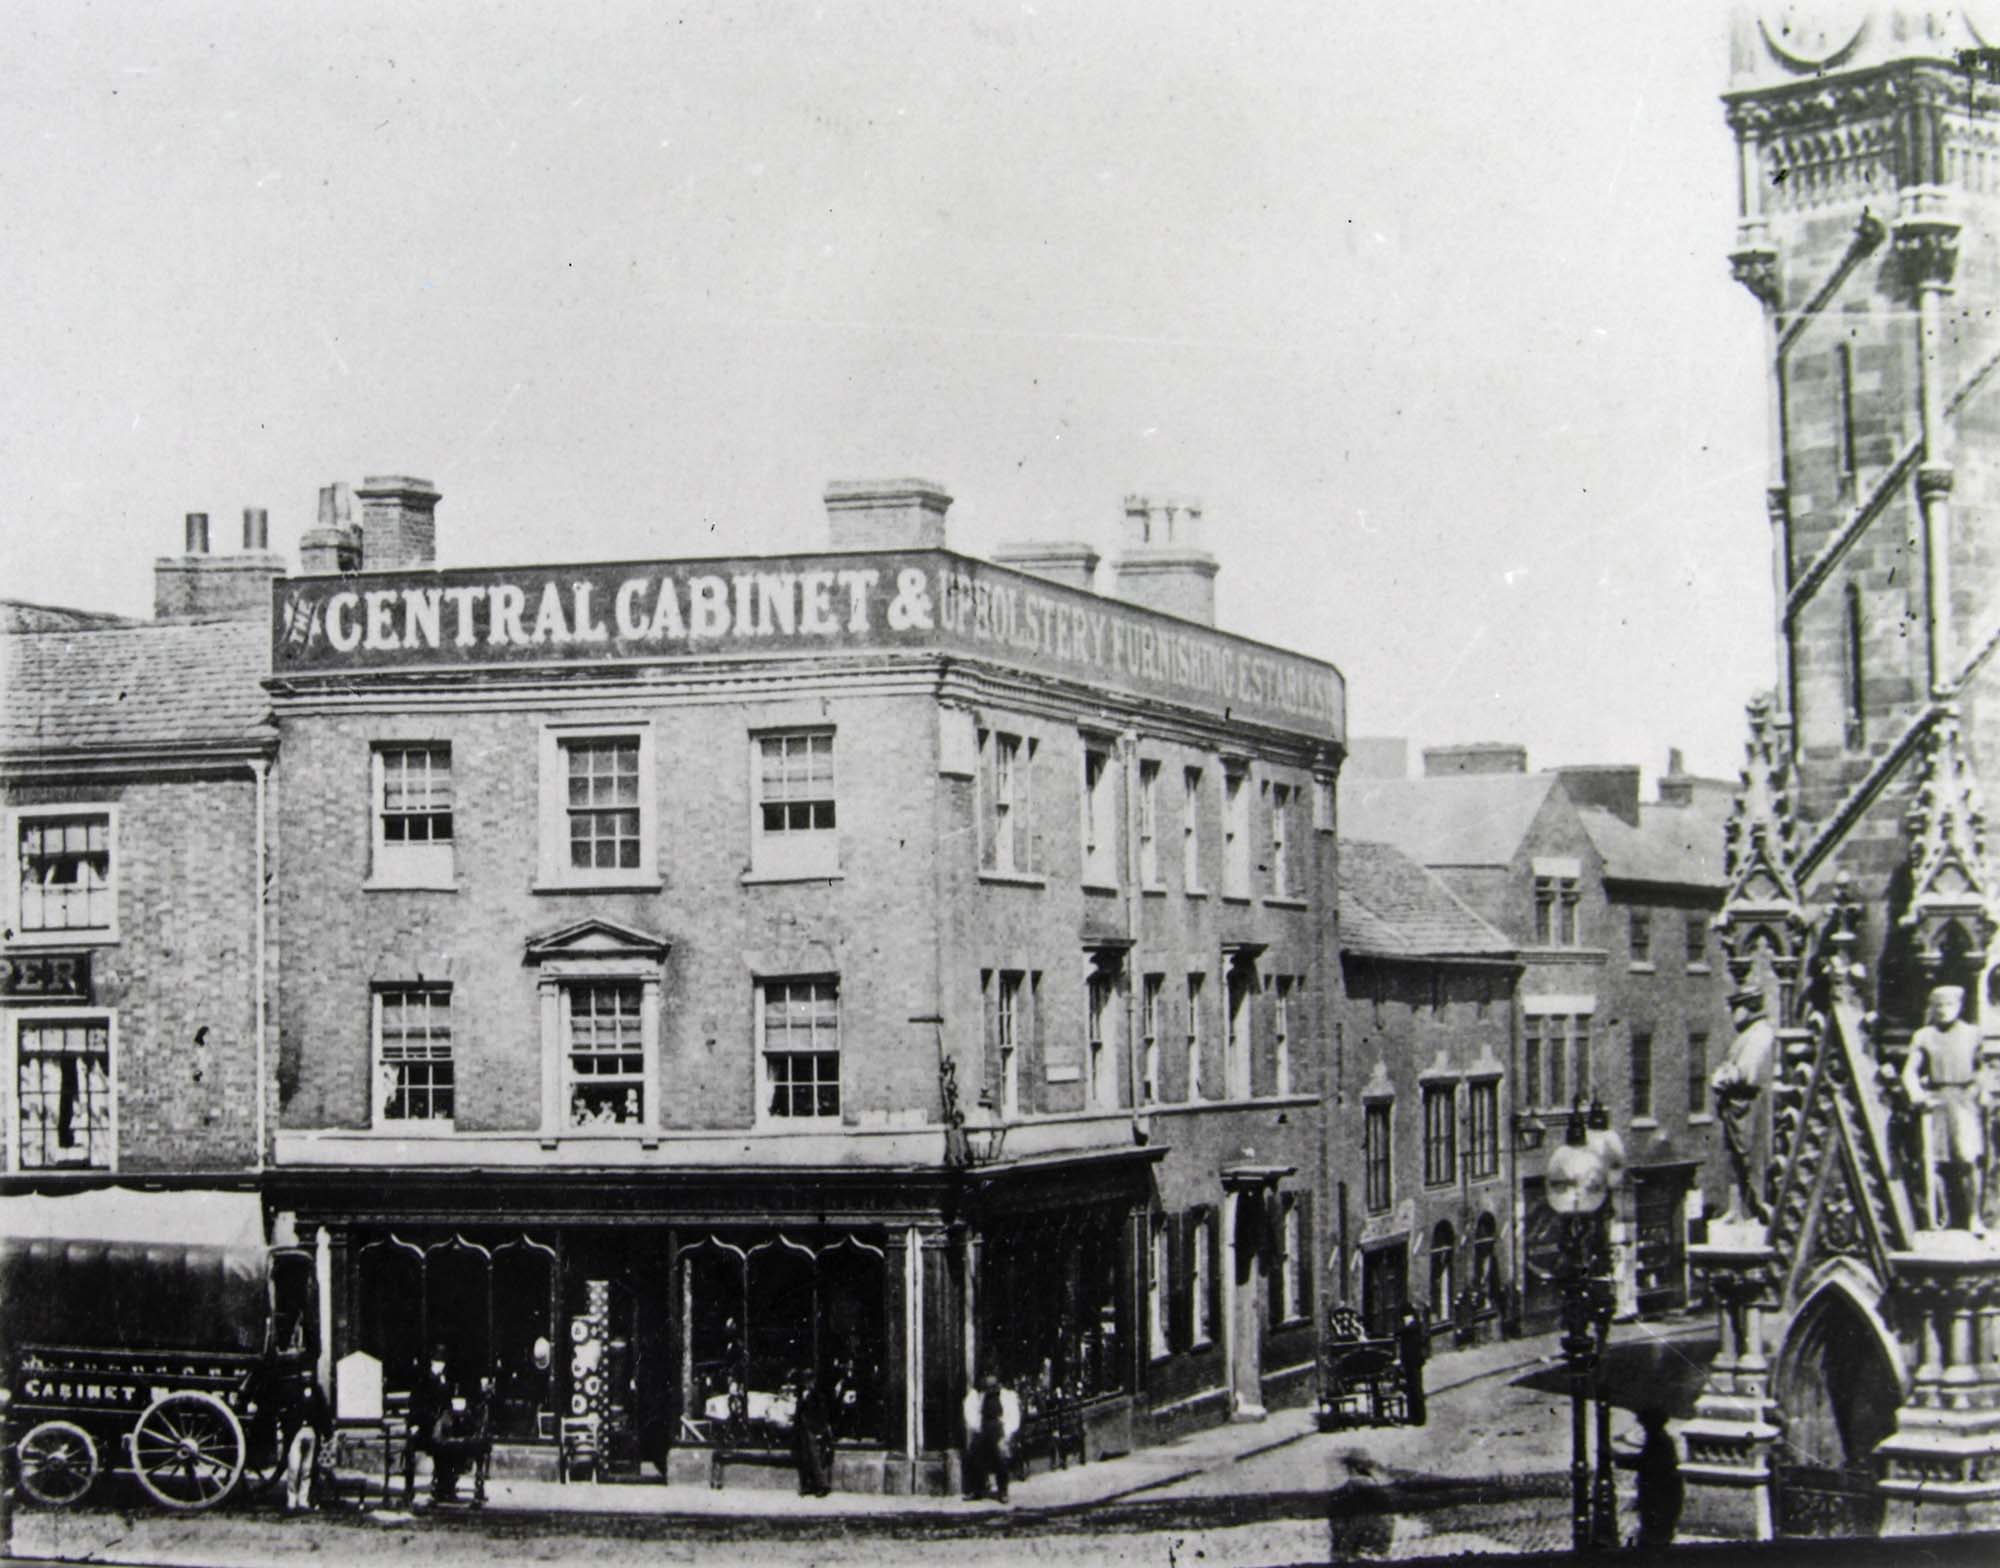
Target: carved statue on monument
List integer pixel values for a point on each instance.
(1942, 1078)
(1739, 1084)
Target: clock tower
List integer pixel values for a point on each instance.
(1868, 185)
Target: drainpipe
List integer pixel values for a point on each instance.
(1129, 744)
(261, 768)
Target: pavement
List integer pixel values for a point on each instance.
(1459, 1383)
(1487, 1474)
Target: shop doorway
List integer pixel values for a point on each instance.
(1659, 1202)
(1837, 1394)
(1248, 1236)
(1385, 1286)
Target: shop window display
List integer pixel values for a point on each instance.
(1053, 1306)
(765, 1311)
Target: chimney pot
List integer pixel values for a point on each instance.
(197, 533)
(1163, 566)
(256, 528)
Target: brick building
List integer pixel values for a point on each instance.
(134, 768)
(1572, 869)
(878, 963)
(1422, 1114)
(1666, 1018)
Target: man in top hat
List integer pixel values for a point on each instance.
(1738, 1085)
(1941, 1076)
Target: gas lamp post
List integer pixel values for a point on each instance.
(1578, 1184)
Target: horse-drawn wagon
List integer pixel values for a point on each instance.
(155, 1333)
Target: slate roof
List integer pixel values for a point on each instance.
(1676, 845)
(174, 686)
(22, 615)
(1391, 907)
(1472, 819)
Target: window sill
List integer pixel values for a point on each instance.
(1701, 1118)
(410, 885)
(1153, 889)
(1699, 968)
(640, 883)
(1644, 1124)
(1195, 892)
(1236, 898)
(1285, 901)
(1099, 885)
(1015, 878)
(413, 1129)
(764, 878)
(611, 1130)
(1479, 1177)
(784, 1124)
(95, 936)
(1642, 967)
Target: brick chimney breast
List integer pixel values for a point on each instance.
(398, 522)
(197, 586)
(1163, 566)
(886, 514)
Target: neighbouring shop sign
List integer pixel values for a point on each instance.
(917, 600)
(45, 977)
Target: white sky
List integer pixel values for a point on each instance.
(1428, 303)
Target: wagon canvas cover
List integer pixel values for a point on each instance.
(122, 1270)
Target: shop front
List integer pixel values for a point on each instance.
(655, 1329)
(669, 1327)
(1056, 1278)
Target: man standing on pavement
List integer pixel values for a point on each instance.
(1413, 1346)
(992, 1417)
(1660, 1486)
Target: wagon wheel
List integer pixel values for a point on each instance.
(187, 1450)
(58, 1461)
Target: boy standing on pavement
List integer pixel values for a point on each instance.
(992, 1417)
(1413, 1345)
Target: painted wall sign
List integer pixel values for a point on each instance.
(919, 600)
(45, 977)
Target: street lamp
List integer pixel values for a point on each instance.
(1610, 1148)
(1577, 1183)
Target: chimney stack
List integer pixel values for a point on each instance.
(334, 543)
(197, 586)
(886, 514)
(256, 528)
(1479, 757)
(398, 522)
(1163, 566)
(1069, 562)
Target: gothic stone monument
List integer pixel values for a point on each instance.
(1857, 1283)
